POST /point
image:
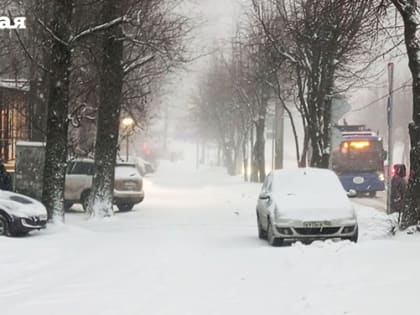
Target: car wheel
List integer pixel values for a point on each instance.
(261, 233)
(124, 207)
(67, 205)
(20, 233)
(4, 226)
(372, 194)
(355, 236)
(272, 239)
(84, 200)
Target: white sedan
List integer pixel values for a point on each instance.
(304, 204)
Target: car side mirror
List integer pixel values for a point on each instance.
(384, 155)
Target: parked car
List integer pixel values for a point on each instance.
(304, 204)
(20, 214)
(144, 167)
(128, 184)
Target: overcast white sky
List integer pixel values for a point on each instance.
(216, 19)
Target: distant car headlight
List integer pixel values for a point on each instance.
(381, 177)
(285, 230)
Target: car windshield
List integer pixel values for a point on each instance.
(20, 199)
(353, 158)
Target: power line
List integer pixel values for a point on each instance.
(381, 98)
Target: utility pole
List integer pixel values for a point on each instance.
(127, 144)
(390, 142)
(274, 139)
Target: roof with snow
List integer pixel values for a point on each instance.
(301, 179)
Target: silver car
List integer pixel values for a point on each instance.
(128, 184)
(304, 204)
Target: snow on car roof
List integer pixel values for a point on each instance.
(314, 180)
(310, 194)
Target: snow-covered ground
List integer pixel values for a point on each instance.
(192, 248)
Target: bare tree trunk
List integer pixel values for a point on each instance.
(326, 133)
(302, 162)
(245, 157)
(57, 123)
(409, 11)
(108, 120)
(279, 136)
(314, 126)
(39, 78)
(229, 158)
(259, 150)
(237, 157)
(320, 118)
(254, 167)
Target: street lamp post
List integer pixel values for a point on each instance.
(390, 142)
(127, 123)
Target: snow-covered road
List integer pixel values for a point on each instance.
(191, 248)
(378, 202)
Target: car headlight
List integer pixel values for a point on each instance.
(381, 177)
(348, 229)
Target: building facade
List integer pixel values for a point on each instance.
(15, 118)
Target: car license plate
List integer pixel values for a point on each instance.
(130, 186)
(316, 224)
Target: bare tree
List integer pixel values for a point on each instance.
(256, 74)
(216, 111)
(57, 124)
(108, 122)
(134, 56)
(320, 40)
